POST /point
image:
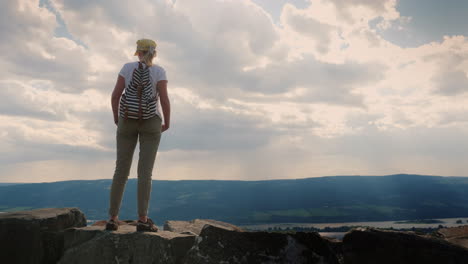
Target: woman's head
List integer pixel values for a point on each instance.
(146, 51)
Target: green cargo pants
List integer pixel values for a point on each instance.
(148, 131)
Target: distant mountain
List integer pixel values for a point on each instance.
(8, 183)
(324, 199)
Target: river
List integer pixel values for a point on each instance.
(446, 222)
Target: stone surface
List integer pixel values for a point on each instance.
(219, 245)
(94, 244)
(59, 235)
(455, 235)
(370, 246)
(223, 243)
(195, 226)
(36, 236)
(121, 222)
(336, 246)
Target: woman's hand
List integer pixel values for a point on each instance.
(164, 128)
(165, 104)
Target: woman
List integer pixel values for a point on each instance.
(137, 116)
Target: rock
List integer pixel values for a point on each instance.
(121, 222)
(195, 226)
(455, 235)
(36, 236)
(61, 236)
(94, 244)
(216, 242)
(336, 246)
(219, 245)
(370, 246)
(188, 233)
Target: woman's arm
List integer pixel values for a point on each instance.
(116, 94)
(165, 104)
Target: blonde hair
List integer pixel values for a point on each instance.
(147, 57)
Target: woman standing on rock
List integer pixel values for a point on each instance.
(137, 116)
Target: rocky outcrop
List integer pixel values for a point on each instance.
(36, 236)
(195, 226)
(219, 245)
(95, 245)
(370, 246)
(60, 236)
(216, 242)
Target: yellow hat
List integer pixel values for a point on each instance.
(145, 45)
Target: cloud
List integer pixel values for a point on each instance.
(450, 60)
(451, 82)
(321, 82)
(365, 10)
(32, 51)
(20, 101)
(300, 22)
(319, 93)
(377, 5)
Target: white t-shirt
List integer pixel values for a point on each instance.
(157, 73)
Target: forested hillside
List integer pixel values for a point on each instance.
(325, 199)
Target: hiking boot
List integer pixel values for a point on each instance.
(112, 225)
(149, 226)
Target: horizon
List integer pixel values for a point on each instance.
(280, 179)
(259, 89)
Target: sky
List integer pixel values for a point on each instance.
(259, 89)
